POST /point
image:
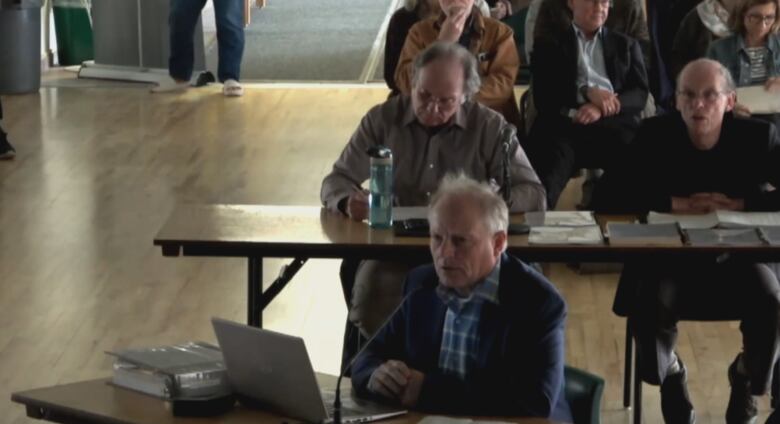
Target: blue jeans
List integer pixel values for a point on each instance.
(230, 37)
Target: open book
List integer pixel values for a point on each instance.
(718, 219)
(724, 237)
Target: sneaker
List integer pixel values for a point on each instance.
(7, 151)
(171, 85)
(743, 408)
(676, 404)
(232, 88)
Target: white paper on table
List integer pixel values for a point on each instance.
(401, 213)
(560, 219)
(566, 235)
(758, 100)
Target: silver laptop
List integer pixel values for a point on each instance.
(272, 371)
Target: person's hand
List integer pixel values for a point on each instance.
(391, 380)
(720, 201)
(772, 84)
(452, 27)
(691, 205)
(741, 110)
(411, 394)
(501, 11)
(357, 205)
(606, 101)
(587, 114)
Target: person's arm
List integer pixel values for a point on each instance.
(352, 167)
(633, 95)
(394, 42)
(549, 90)
(634, 184)
(388, 344)
(499, 82)
(527, 192)
(528, 386)
(769, 200)
(413, 45)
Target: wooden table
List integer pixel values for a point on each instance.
(96, 402)
(302, 232)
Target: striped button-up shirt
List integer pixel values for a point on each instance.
(460, 337)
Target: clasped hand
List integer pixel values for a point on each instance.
(706, 202)
(601, 103)
(395, 380)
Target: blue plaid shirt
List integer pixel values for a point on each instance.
(460, 338)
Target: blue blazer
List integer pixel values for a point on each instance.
(519, 370)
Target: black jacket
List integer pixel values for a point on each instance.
(554, 75)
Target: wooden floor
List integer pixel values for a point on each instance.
(98, 171)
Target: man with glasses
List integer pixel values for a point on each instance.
(436, 130)
(697, 161)
(589, 87)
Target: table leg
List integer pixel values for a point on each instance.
(254, 292)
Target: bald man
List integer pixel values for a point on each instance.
(711, 161)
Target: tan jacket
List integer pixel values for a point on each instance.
(492, 44)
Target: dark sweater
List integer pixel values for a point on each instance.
(664, 163)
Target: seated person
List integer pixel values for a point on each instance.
(481, 333)
(436, 130)
(402, 20)
(6, 150)
(708, 22)
(711, 160)
(554, 17)
(752, 53)
(490, 41)
(589, 88)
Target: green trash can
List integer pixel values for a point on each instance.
(73, 25)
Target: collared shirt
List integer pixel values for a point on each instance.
(471, 142)
(591, 69)
(460, 335)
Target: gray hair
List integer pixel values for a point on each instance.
(728, 80)
(492, 207)
(443, 50)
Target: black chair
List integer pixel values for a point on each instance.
(583, 393)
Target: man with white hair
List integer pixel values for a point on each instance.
(710, 161)
(436, 130)
(480, 332)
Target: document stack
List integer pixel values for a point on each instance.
(191, 370)
(556, 227)
(725, 227)
(632, 234)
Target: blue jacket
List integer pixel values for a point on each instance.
(519, 369)
(730, 52)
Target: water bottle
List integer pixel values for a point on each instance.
(380, 187)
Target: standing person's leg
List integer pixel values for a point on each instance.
(230, 39)
(6, 150)
(182, 20)
(552, 155)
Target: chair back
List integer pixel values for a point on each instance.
(583, 393)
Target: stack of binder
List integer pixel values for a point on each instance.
(192, 370)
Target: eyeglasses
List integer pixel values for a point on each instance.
(441, 102)
(708, 96)
(757, 18)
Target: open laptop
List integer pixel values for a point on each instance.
(273, 371)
